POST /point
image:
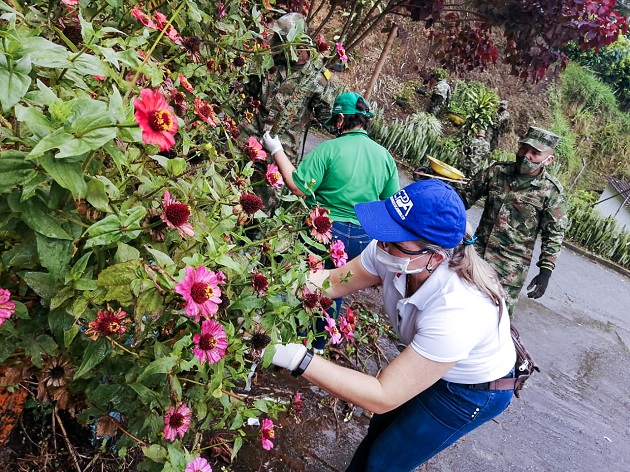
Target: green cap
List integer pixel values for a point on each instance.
(540, 139)
(346, 103)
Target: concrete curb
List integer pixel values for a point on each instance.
(600, 260)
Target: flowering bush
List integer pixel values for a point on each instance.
(140, 277)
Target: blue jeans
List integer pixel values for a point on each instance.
(404, 438)
(355, 239)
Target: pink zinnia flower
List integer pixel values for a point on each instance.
(342, 53)
(143, 18)
(267, 433)
(331, 327)
(176, 215)
(204, 111)
(7, 307)
(100, 78)
(201, 291)
(297, 405)
(198, 465)
(183, 81)
(274, 177)
(156, 118)
(70, 2)
(211, 344)
(177, 422)
(346, 328)
(255, 150)
(314, 263)
(320, 224)
(221, 277)
(108, 323)
(221, 9)
(170, 32)
(337, 251)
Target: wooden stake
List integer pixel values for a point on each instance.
(381, 61)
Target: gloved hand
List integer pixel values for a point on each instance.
(273, 145)
(540, 282)
(289, 356)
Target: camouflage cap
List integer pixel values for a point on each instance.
(540, 139)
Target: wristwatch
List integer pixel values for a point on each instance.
(304, 364)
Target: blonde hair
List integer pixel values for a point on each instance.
(465, 262)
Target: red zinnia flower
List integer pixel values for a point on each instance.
(267, 433)
(251, 203)
(107, 323)
(325, 303)
(322, 46)
(204, 111)
(156, 118)
(176, 216)
(177, 422)
(211, 344)
(320, 224)
(183, 81)
(260, 282)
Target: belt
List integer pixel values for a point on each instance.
(505, 383)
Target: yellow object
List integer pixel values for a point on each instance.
(444, 169)
(326, 74)
(456, 120)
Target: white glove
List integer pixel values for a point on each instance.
(273, 145)
(289, 356)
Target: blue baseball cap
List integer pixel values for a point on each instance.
(427, 209)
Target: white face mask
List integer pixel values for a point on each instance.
(396, 264)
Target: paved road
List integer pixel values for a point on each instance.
(572, 416)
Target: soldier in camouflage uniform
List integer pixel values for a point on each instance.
(475, 154)
(291, 94)
(522, 200)
(499, 125)
(440, 97)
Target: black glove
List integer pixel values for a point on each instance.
(540, 282)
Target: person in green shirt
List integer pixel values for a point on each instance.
(340, 173)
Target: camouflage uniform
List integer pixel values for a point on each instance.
(475, 155)
(499, 125)
(517, 208)
(290, 97)
(440, 97)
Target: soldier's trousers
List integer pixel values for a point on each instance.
(512, 294)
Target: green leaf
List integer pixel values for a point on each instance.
(161, 259)
(54, 140)
(54, 255)
(69, 335)
(64, 294)
(155, 452)
(248, 303)
(43, 284)
(95, 353)
(15, 81)
(149, 302)
(69, 175)
(13, 172)
(35, 214)
(159, 366)
(103, 232)
(45, 53)
(117, 279)
(126, 253)
(87, 142)
(97, 196)
(146, 394)
(34, 119)
(228, 261)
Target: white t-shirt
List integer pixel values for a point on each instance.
(447, 320)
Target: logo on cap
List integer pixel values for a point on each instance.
(402, 204)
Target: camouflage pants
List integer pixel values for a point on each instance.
(512, 295)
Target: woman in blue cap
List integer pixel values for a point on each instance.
(340, 173)
(446, 305)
